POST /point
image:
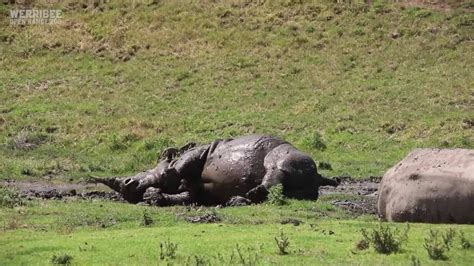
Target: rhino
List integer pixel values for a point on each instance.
(430, 186)
(225, 171)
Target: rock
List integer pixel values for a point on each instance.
(429, 185)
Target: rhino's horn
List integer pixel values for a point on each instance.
(111, 182)
(330, 182)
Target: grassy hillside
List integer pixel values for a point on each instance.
(109, 86)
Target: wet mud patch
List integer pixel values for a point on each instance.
(355, 196)
(362, 187)
(357, 207)
(361, 195)
(55, 191)
(238, 201)
(205, 218)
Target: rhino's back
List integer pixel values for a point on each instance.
(236, 165)
(430, 185)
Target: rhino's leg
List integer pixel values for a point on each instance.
(273, 177)
(189, 166)
(154, 196)
(276, 176)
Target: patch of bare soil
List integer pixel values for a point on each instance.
(361, 187)
(440, 5)
(425, 4)
(206, 218)
(358, 207)
(366, 189)
(52, 190)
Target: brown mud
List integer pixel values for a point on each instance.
(361, 194)
(43, 189)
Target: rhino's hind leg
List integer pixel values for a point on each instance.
(154, 196)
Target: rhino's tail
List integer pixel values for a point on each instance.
(111, 182)
(330, 182)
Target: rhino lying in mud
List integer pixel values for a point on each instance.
(233, 171)
(429, 185)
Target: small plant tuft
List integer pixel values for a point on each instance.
(117, 143)
(276, 196)
(415, 261)
(448, 237)
(246, 257)
(147, 220)
(27, 140)
(168, 250)
(465, 243)
(64, 259)
(197, 260)
(362, 244)
(315, 141)
(437, 244)
(386, 240)
(10, 198)
(283, 243)
(324, 166)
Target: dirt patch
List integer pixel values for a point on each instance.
(53, 190)
(206, 218)
(366, 189)
(362, 187)
(238, 201)
(440, 5)
(358, 207)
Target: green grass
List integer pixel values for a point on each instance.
(106, 89)
(109, 87)
(102, 232)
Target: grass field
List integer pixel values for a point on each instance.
(111, 85)
(107, 88)
(102, 232)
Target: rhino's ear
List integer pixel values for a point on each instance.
(187, 147)
(169, 154)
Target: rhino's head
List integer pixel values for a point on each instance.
(163, 176)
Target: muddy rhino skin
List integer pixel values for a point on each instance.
(429, 185)
(244, 167)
